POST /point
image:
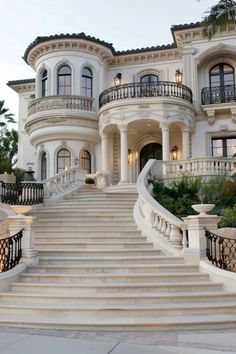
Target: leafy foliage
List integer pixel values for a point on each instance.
(221, 14)
(187, 190)
(229, 217)
(5, 117)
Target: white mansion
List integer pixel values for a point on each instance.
(111, 111)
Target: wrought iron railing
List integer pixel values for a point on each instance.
(10, 251)
(218, 94)
(153, 89)
(25, 193)
(221, 251)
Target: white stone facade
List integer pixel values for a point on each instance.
(117, 134)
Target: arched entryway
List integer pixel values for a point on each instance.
(150, 151)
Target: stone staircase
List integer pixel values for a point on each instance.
(97, 271)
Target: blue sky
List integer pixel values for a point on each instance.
(125, 23)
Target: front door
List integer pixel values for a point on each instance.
(150, 151)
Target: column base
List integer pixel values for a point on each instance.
(30, 257)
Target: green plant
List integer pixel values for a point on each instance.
(89, 180)
(229, 217)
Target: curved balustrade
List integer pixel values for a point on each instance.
(60, 102)
(63, 180)
(221, 251)
(155, 216)
(137, 90)
(10, 251)
(218, 94)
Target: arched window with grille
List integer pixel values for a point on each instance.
(64, 80)
(85, 161)
(44, 83)
(87, 83)
(63, 160)
(221, 80)
(43, 166)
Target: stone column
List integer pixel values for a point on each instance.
(185, 143)
(165, 145)
(123, 154)
(17, 223)
(104, 152)
(165, 142)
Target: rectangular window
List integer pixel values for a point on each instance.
(224, 147)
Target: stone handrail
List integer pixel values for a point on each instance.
(200, 166)
(60, 102)
(155, 217)
(61, 182)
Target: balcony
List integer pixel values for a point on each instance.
(145, 90)
(218, 94)
(69, 105)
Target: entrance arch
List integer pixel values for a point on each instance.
(150, 151)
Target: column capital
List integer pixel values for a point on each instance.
(123, 127)
(164, 125)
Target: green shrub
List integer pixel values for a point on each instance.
(89, 181)
(229, 217)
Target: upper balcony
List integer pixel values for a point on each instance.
(60, 106)
(160, 89)
(218, 94)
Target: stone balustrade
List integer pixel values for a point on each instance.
(200, 166)
(61, 103)
(59, 184)
(152, 215)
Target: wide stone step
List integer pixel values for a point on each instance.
(111, 278)
(67, 223)
(115, 269)
(64, 245)
(202, 321)
(96, 233)
(109, 261)
(115, 299)
(80, 218)
(88, 227)
(53, 251)
(121, 311)
(88, 239)
(124, 288)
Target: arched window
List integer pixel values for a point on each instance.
(149, 79)
(64, 80)
(63, 160)
(87, 83)
(221, 78)
(43, 166)
(85, 161)
(44, 83)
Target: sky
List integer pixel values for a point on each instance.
(128, 24)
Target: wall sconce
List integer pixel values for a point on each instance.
(76, 161)
(129, 156)
(174, 152)
(117, 79)
(178, 76)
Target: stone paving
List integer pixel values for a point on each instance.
(42, 341)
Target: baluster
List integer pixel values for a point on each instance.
(176, 236)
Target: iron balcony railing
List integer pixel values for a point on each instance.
(218, 94)
(154, 89)
(221, 251)
(10, 251)
(25, 193)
